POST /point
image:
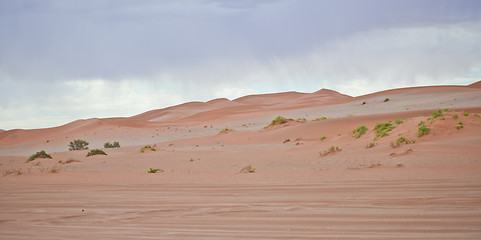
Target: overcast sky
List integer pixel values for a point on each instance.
(67, 59)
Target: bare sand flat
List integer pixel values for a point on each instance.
(340, 187)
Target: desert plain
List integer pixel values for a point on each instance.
(226, 170)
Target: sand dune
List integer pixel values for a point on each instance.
(340, 187)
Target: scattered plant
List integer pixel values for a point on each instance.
(301, 119)
(320, 118)
(248, 169)
(41, 154)
(447, 110)
(382, 129)
(476, 115)
(112, 145)
(423, 130)
(386, 100)
(370, 145)
(339, 134)
(70, 160)
(400, 141)
(78, 145)
(225, 130)
(399, 121)
(331, 149)
(358, 132)
(455, 116)
(466, 114)
(277, 121)
(437, 114)
(154, 170)
(460, 125)
(95, 152)
(147, 147)
(323, 137)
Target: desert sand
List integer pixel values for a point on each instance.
(340, 187)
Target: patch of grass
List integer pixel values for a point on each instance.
(331, 149)
(320, 118)
(371, 145)
(96, 152)
(382, 129)
(147, 147)
(442, 118)
(460, 125)
(358, 132)
(423, 130)
(323, 137)
(400, 141)
(476, 115)
(41, 154)
(111, 145)
(447, 110)
(420, 123)
(248, 169)
(438, 113)
(301, 119)
(70, 160)
(277, 121)
(455, 116)
(399, 121)
(78, 145)
(466, 114)
(225, 130)
(339, 134)
(154, 170)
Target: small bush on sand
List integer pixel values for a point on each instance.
(331, 149)
(248, 169)
(323, 137)
(460, 125)
(400, 141)
(447, 110)
(320, 119)
(382, 129)
(96, 152)
(277, 121)
(399, 121)
(358, 132)
(370, 145)
(154, 170)
(225, 130)
(147, 147)
(437, 114)
(455, 116)
(78, 145)
(111, 145)
(41, 154)
(476, 115)
(423, 130)
(466, 114)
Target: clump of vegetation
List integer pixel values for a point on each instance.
(476, 115)
(41, 154)
(147, 147)
(460, 125)
(423, 130)
(437, 113)
(339, 134)
(466, 114)
(277, 121)
(386, 100)
(70, 160)
(323, 137)
(154, 170)
(455, 116)
(96, 152)
(447, 110)
(248, 169)
(111, 145)
(331, 149)
(370, 145)
(399, 121)
(78, 145)
(320, 118)
(358, 132)
(301, 119)
(382, 129)
(400, 141)
(225, 130)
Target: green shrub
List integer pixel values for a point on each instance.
(225, 130)
(331, 149)
(41, 154)
(399, 121)
(455, 116)
(147, 147)
(447, 110)
(460, 125)
(277, 121)
(358, 132)
(153, 170)
(437, 114)
(301, 119)
(323, 137)
(320, 118)
(423, 130)
(248, 169)
(476, 115)
(382, 129)
(370, 145)
(110, 145)
(96, 152)
(466, 114)
(78, 145)
(400, 141)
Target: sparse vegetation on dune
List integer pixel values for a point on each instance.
(423, 130)
(331, 149)
(154, 170)
(323, 137)
(382, 129)
(225, 130)
(371, 145)
(477, 115)
(248, 169)
(399, 121)
(400, 141)
(466, 114)
(96, 152)
(320, 119)
(111, 145)
(78, 145)
(437, 113)
(455, 116)
(147, 147)
(460, 125)
(277, 121)
(41, 154)
(358, 132)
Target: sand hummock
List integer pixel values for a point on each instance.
(398, 185)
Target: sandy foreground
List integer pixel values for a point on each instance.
(426, 188)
